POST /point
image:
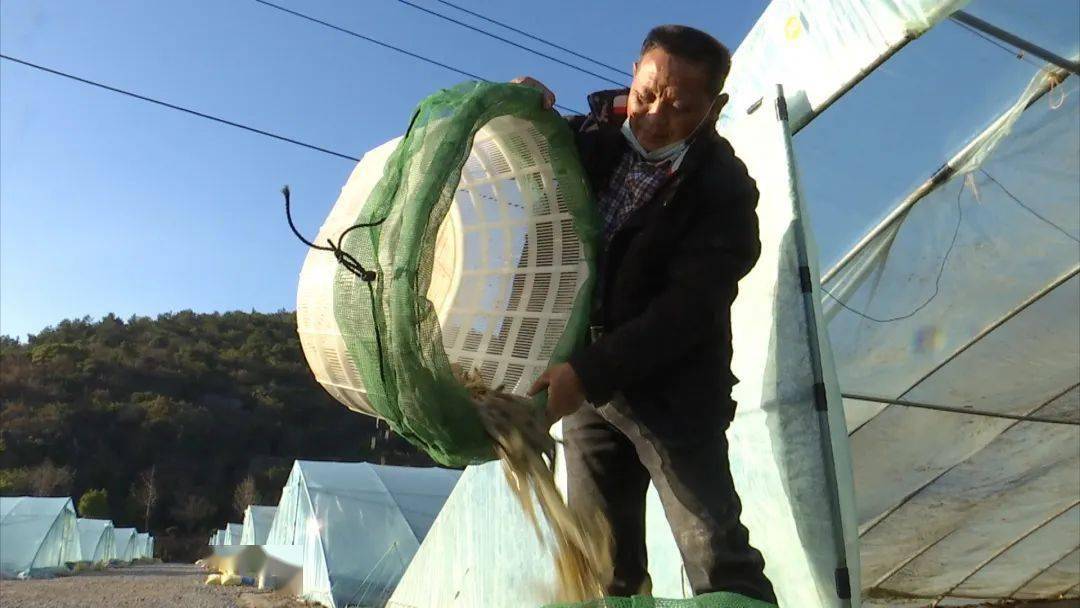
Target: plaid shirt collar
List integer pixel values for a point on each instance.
(634, 183)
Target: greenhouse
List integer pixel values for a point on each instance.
(96, 540)
(359, 525)
(127, 544)
(257, 522)
(37, 535)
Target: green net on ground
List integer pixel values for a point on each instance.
(483, 256)
(722, 599)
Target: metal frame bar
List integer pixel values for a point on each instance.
(884, 577)
(1000, 552)
(1009, 38)
(939, 178)
(842, 578)
(915, 492)
(851, 84)
(960, 410)
(982, 334)
(1040, 573)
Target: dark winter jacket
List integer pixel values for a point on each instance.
(667, 279)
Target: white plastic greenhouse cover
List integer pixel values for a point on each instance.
(257, 522)
(815, 49)
(964, 295)
(233, 534)
(359, 524)
(126, 540)
(36, 534)
(96, 540)
(142, 545)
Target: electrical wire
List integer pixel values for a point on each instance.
(388, 46)
(510, 42)
(534, 37)
(1017, 54)
(937, 281)
(1029, 209)
(172, 106)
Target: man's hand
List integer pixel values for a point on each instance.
(564, 391)
(529, 81)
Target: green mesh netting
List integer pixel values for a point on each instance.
(721, 599)
(532, 170)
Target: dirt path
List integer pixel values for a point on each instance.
(146, 586)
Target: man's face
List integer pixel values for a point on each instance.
(668, 98)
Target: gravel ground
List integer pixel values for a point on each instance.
(143, 586)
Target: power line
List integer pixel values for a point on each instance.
(389, 46)
(511, 42)
(178, 108)
(536, 38)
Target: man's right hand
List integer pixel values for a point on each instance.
(529, 81)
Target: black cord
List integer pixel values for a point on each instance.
(536, 38)
(389, 46)
(1018, 54)
(937, 281)
(511, 43)
(1029, 209)
(178, 108)
(347, 261)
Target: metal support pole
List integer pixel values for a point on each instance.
(842, 574)
(1009, 38)
(960, 410)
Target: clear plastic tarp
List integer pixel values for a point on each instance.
(257, 522)
(36, 535)
(960, 291)
(359, 525)
(950, 176)
(96, 540)
(126, 541)
(969, 298)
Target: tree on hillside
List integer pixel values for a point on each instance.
(94, 504)
(47, 479)
(145, 493)
(245, 495)
(193, 510)
(201, 399)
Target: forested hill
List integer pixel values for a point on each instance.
(189, 414)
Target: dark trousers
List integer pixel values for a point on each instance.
(610, 460)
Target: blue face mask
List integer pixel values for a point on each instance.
(671, 152)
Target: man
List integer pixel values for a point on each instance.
(679, 231)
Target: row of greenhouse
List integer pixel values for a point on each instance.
(44, 536)
(342, 534)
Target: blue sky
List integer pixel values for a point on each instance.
(109, 204)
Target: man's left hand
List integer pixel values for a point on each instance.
(565, 394)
